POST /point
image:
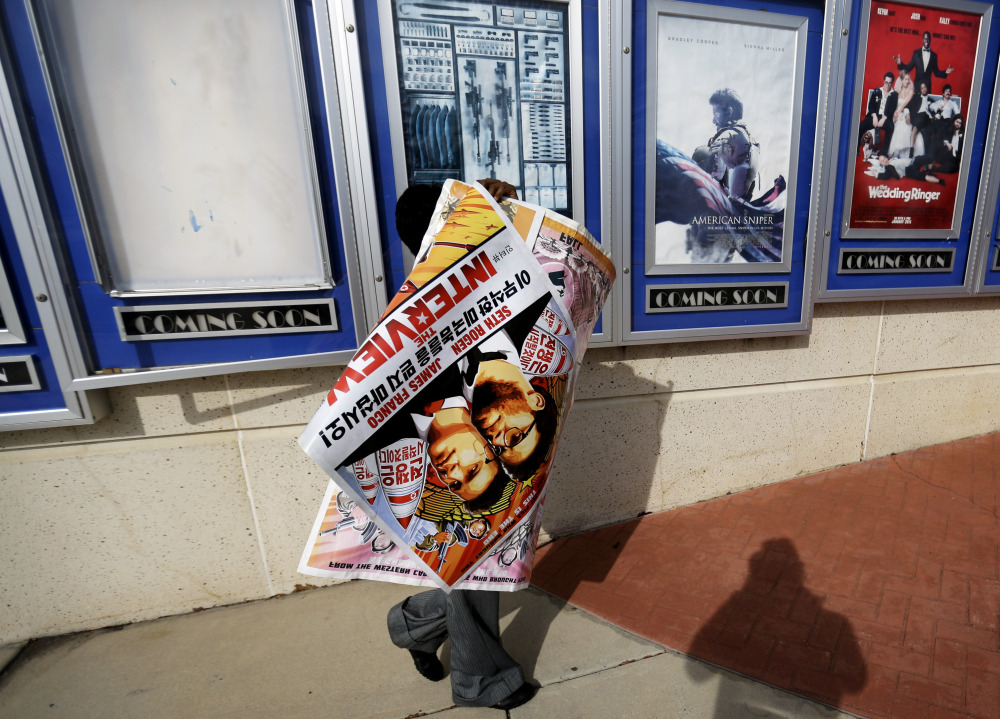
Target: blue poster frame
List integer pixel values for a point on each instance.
(642, 326)
(376, 97)
(956, 281)
(109, 357)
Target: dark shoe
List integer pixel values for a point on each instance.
(521, 695)
(428, 665)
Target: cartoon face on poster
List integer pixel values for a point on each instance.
(442, 428)
(915, 95)
(724, 146)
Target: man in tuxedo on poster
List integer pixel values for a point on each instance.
(924, 64)
(878, 120)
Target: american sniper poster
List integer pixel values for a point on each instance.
(724, 126)
(440, 434)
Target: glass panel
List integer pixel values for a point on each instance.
(189, 140)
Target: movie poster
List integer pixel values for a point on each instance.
(726, 138)
(484, 91)
(440, 434)
(912, 106)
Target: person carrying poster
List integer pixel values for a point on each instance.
(922, 141)
(443, 428)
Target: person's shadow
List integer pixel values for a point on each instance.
(819, 655)
(589, 459)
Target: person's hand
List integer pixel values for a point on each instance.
(949, 70)
(499, 189)
(898, 59)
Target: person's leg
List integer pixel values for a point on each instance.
(482, 673)
(419, 624)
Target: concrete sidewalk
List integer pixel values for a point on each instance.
(325, 653)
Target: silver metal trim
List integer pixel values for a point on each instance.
(606, 337)
(950, 251)
(341, 174)
(201, 308)
(29, 219)
(97, 245)
(29, 363)
(718, 286)
(167, 374)
(360, 173)
(970, 113)
(827, 183)
(621, 59)
(12, 333)
(676, 8)
(986, 207)
(191, 291)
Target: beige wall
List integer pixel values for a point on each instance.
(195, 494)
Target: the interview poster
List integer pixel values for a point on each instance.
(441, 432)
(912, 107)
(726, 133)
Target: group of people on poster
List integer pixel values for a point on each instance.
(909, 130)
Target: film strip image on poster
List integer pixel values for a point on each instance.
(485, 91)
(916, 97)
(723, 117)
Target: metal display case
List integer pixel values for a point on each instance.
(904, 187)
(474, 90)
(722, 141)
(37, 360)
(194, 181)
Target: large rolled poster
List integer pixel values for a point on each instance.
(440, 434)
(913, 102)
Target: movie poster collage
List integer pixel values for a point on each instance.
(440, 434)
(725, 139)
(912, 107)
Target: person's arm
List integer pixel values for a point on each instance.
(936, 69)
(499, 189)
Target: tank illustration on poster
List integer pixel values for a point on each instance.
(484, 92)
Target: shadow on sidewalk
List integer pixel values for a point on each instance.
(582, 563)
(775, 629)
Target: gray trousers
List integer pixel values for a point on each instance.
(482, 673)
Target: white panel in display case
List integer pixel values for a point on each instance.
(186, 126)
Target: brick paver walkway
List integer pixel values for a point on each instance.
(873, 587)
